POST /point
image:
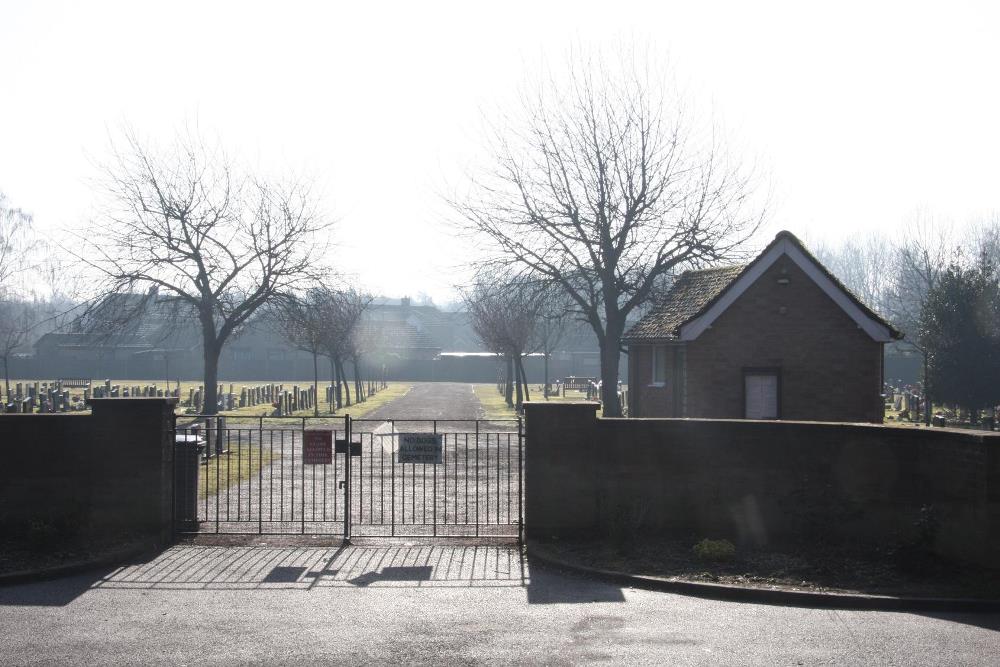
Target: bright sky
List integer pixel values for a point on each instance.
(861, 113)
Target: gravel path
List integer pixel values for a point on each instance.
(433, 400)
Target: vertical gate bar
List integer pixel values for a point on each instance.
(508, 478)
(334, 473)
(218, 490)
(520, 482)
(466, 478)
(206, 483)
(324, 487)
(486, 487)
(498, 479)
(361, 478)
(381, 482)
(260, 484)
(281, 475)
(477, 478)
(434, 513)
(392, 464)
(260, 480)
(229, 457)
(371, 478)
(239, 470)
(302, 440)
(291, 507)
(270, 470)
(402, 485)
(347, 480)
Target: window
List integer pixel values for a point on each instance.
(761, 395)
(659, 365)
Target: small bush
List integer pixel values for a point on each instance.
(715, 550)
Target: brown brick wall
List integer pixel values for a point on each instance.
(758, 482)
(830, 368)
(647, 400)
(107, 473)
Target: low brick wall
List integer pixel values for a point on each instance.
(107, 473)
(760, 482)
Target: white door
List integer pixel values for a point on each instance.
(761, 392)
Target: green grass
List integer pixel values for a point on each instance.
(241, 463)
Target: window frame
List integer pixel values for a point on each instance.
(663, 349)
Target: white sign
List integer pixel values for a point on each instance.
(420, 448)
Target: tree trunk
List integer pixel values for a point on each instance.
(545, 386)
(333, 376)
(336, 383)
(358, 393)
(610, 357)
(517, 385)
(508, 388)
(524, 377)
(210, 404)
(343, 379)
(6, 378)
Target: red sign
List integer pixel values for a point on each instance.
(317, 447)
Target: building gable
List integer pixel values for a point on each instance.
(785, 244)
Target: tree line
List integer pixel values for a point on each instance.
(941, 288)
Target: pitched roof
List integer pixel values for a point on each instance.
(685, 299)
(699, 297)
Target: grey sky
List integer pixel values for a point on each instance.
(861, 113)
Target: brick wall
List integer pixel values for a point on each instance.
(830, 368)
(760, 482)
(107, 473)
(648, 399)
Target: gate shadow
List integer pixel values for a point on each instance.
(187, 567)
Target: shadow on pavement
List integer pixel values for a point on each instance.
(989, 621)
(186, 567)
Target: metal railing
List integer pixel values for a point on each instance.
(255, 480)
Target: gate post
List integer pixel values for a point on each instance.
(347, 480)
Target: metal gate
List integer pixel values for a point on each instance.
(257, 475)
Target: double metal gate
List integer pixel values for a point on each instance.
(255, 475)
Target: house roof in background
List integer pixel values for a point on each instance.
(699, 297)
(692, 291)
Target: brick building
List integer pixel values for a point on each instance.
(778, 338)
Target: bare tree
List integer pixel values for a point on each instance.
(17, 320)
(553, 315)
(603, 188)
(920, 259)
(220, 244)
(15, 242)
(504, 312)
(299, 318)
(340, 312)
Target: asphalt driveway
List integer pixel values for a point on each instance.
(436, 604)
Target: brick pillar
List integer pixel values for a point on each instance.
(130, 463)
(560, 475)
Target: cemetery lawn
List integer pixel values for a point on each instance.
(242, 462)
(374, 401)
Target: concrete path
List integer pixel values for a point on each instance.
(437, 605)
